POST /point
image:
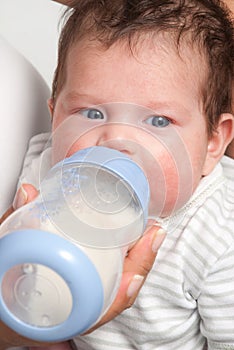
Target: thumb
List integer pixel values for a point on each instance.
(25, 194)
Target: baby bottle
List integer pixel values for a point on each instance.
(61, 256)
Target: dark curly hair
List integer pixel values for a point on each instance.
(206, 23)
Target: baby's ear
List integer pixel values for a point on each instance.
(219, 141)
(50, 104)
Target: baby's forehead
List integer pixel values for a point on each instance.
(145, 45)
(145, 57)
(88, 60)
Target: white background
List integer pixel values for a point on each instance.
(31, 26)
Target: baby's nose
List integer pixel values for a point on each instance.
(117, 136)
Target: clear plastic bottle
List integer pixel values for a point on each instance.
(61, 256)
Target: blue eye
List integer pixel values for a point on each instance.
(158, 121)
(92, 113)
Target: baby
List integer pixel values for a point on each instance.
(153, 79)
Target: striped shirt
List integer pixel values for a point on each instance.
(187, 301)
(188, 298)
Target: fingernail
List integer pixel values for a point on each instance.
(158, 239)
(20, 198)
(152, 221)
(135, 285)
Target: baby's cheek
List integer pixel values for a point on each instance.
(71, 136)
(170, 184)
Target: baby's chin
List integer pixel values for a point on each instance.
(167, 208)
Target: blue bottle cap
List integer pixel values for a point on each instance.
(38, 271)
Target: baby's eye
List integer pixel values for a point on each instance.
(92, 113)
(158, 120)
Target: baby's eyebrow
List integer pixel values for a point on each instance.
(167, 106)
(74, 95)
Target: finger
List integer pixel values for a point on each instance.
(25, 194)
(137, 265)
(6, 214)
(9, 338)
(141, 257)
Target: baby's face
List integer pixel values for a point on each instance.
(230, 4)
(145, 104)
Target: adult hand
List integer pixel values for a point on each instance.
(137, 265)
(9, 338)
(24, 195)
